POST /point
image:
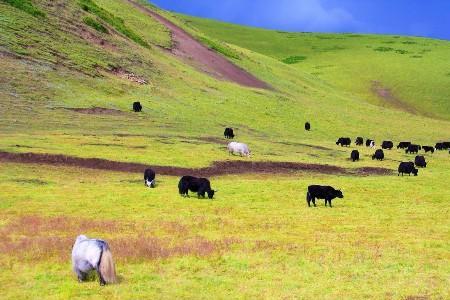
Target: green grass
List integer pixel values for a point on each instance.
(27, 6)
(116, 22)
(387, 239)
(220, 48)
(414, 69)
(293, 59)
(95, 24)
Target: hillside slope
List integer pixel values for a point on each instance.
(57, 63)
(405, 73)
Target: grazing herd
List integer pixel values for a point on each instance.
(95, 255)
(410, 148)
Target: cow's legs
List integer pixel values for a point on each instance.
(102, 280)
(81, 275)
(329, 202)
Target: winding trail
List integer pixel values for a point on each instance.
(195, 53)
(216, 169)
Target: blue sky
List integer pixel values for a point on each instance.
(429, 18)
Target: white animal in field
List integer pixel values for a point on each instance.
(92, 254)
(239, 148)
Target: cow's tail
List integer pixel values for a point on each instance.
(107, 268)
(308, 197)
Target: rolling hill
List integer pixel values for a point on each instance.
(406, 73)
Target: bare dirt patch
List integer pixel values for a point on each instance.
(92, 38)
(386, 94)
(127, 75)
(192, 51)
(97, 111)
(216, 169)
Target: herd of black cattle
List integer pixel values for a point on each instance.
(202, 186)
(404, 167)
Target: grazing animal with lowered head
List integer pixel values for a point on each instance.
(93, 254)
(196, 185)
(137, 107)
(344, 141)
(354, 156)
(322, 192)
(428, 149)
(413, 149)
(239, 148)
(387, 145)
(307, 126)
(379, 155)
(407, 168)
(228, 133)
(419, 161)
(149, 178)
(403, 145)
(359, 141)
(370, 143)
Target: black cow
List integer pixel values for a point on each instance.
(322, 192)
(446, 145)
(439, 146)
(387, 145)
(137, 107)
(370, 143)
(354, 155)
(420, 161)
(403, 145)
(413, 149)
(228, 133)
(359, 141)
(307, 126)
(344, 141)
(149, 178)
(428, 149)
(379, 155)
(194, 184)
(407, 168)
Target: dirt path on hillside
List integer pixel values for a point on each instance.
(386, 94)
(201, 57)
(216, 169)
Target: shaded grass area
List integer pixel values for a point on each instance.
(293, 59)
(95, 24)
(27, 6)
(117, 23)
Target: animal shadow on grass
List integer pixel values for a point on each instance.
(93, 277)
(31, 181)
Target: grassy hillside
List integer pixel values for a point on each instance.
(414, 70)
(388, 237)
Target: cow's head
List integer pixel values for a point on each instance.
(150, 184)
(339, 194)
(415, 171)
(211, 194)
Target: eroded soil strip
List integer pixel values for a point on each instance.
(188, 48)
(217, 168)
